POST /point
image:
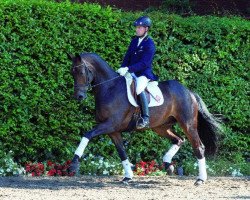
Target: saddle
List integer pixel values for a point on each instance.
(153, 92)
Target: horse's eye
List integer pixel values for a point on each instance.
(82, 72)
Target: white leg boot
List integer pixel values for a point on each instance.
(202, 172)
(128, 171)
(79, 151)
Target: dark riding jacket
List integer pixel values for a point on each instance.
(139, 58)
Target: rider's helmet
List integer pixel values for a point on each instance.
(143, 21)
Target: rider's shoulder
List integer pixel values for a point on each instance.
(134, 37)
(149, 39)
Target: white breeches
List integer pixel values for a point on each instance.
(141, 83)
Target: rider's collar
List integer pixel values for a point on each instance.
(140, 39)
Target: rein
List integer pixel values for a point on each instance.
(87, 72)
(92, 86)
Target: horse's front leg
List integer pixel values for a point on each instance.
(117, 140)
(103, 128)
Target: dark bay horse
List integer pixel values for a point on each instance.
(114, 113)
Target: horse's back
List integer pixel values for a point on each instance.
(173, 87)
(177, 95)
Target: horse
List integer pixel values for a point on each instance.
(114, 114)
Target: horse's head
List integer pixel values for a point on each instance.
(82, 76)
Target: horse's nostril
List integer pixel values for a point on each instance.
(80, 97)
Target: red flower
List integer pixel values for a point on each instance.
(68, 162)
(59, 173)
(50, 163)
(54, 169)
(71, 174)
(58, 167)
(144, 168)
(27, 168)
(51, 172)
(40, 167)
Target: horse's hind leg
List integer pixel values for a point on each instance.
(177, 141)
(199, 150)
(190, 129)
(117, 140)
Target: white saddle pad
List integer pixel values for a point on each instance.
(156, 97)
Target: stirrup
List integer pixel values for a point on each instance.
(142, 123)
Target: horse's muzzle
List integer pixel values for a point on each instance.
(80, 96)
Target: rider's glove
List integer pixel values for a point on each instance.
(122, 71)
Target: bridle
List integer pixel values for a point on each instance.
(89, 73)
(87, 76)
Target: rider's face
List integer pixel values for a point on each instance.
(140, 30)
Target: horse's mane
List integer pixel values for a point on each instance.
(95, 57)
(96, 60)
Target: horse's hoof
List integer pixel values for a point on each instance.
(199, 182)
(126, 180)
(169, 168)
(74, 168)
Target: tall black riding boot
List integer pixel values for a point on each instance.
(143, 122)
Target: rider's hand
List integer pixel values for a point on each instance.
(122, 71)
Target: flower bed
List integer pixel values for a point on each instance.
(49, 168)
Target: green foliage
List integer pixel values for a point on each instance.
(177, 6)
(98, 165)
(40, 121)
(219, 167)
(8, 167)
(37, 85)
(210, 55)
(146, 146)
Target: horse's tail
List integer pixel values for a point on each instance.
(209, 127)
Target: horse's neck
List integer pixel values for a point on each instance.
(106, 94)
(103, 73)
(102, 82)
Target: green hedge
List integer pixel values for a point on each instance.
(39, 119)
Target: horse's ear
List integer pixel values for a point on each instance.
(70, 56)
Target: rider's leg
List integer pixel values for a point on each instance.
(142, 82)
(144, 121)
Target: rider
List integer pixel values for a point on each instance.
(138, 61)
